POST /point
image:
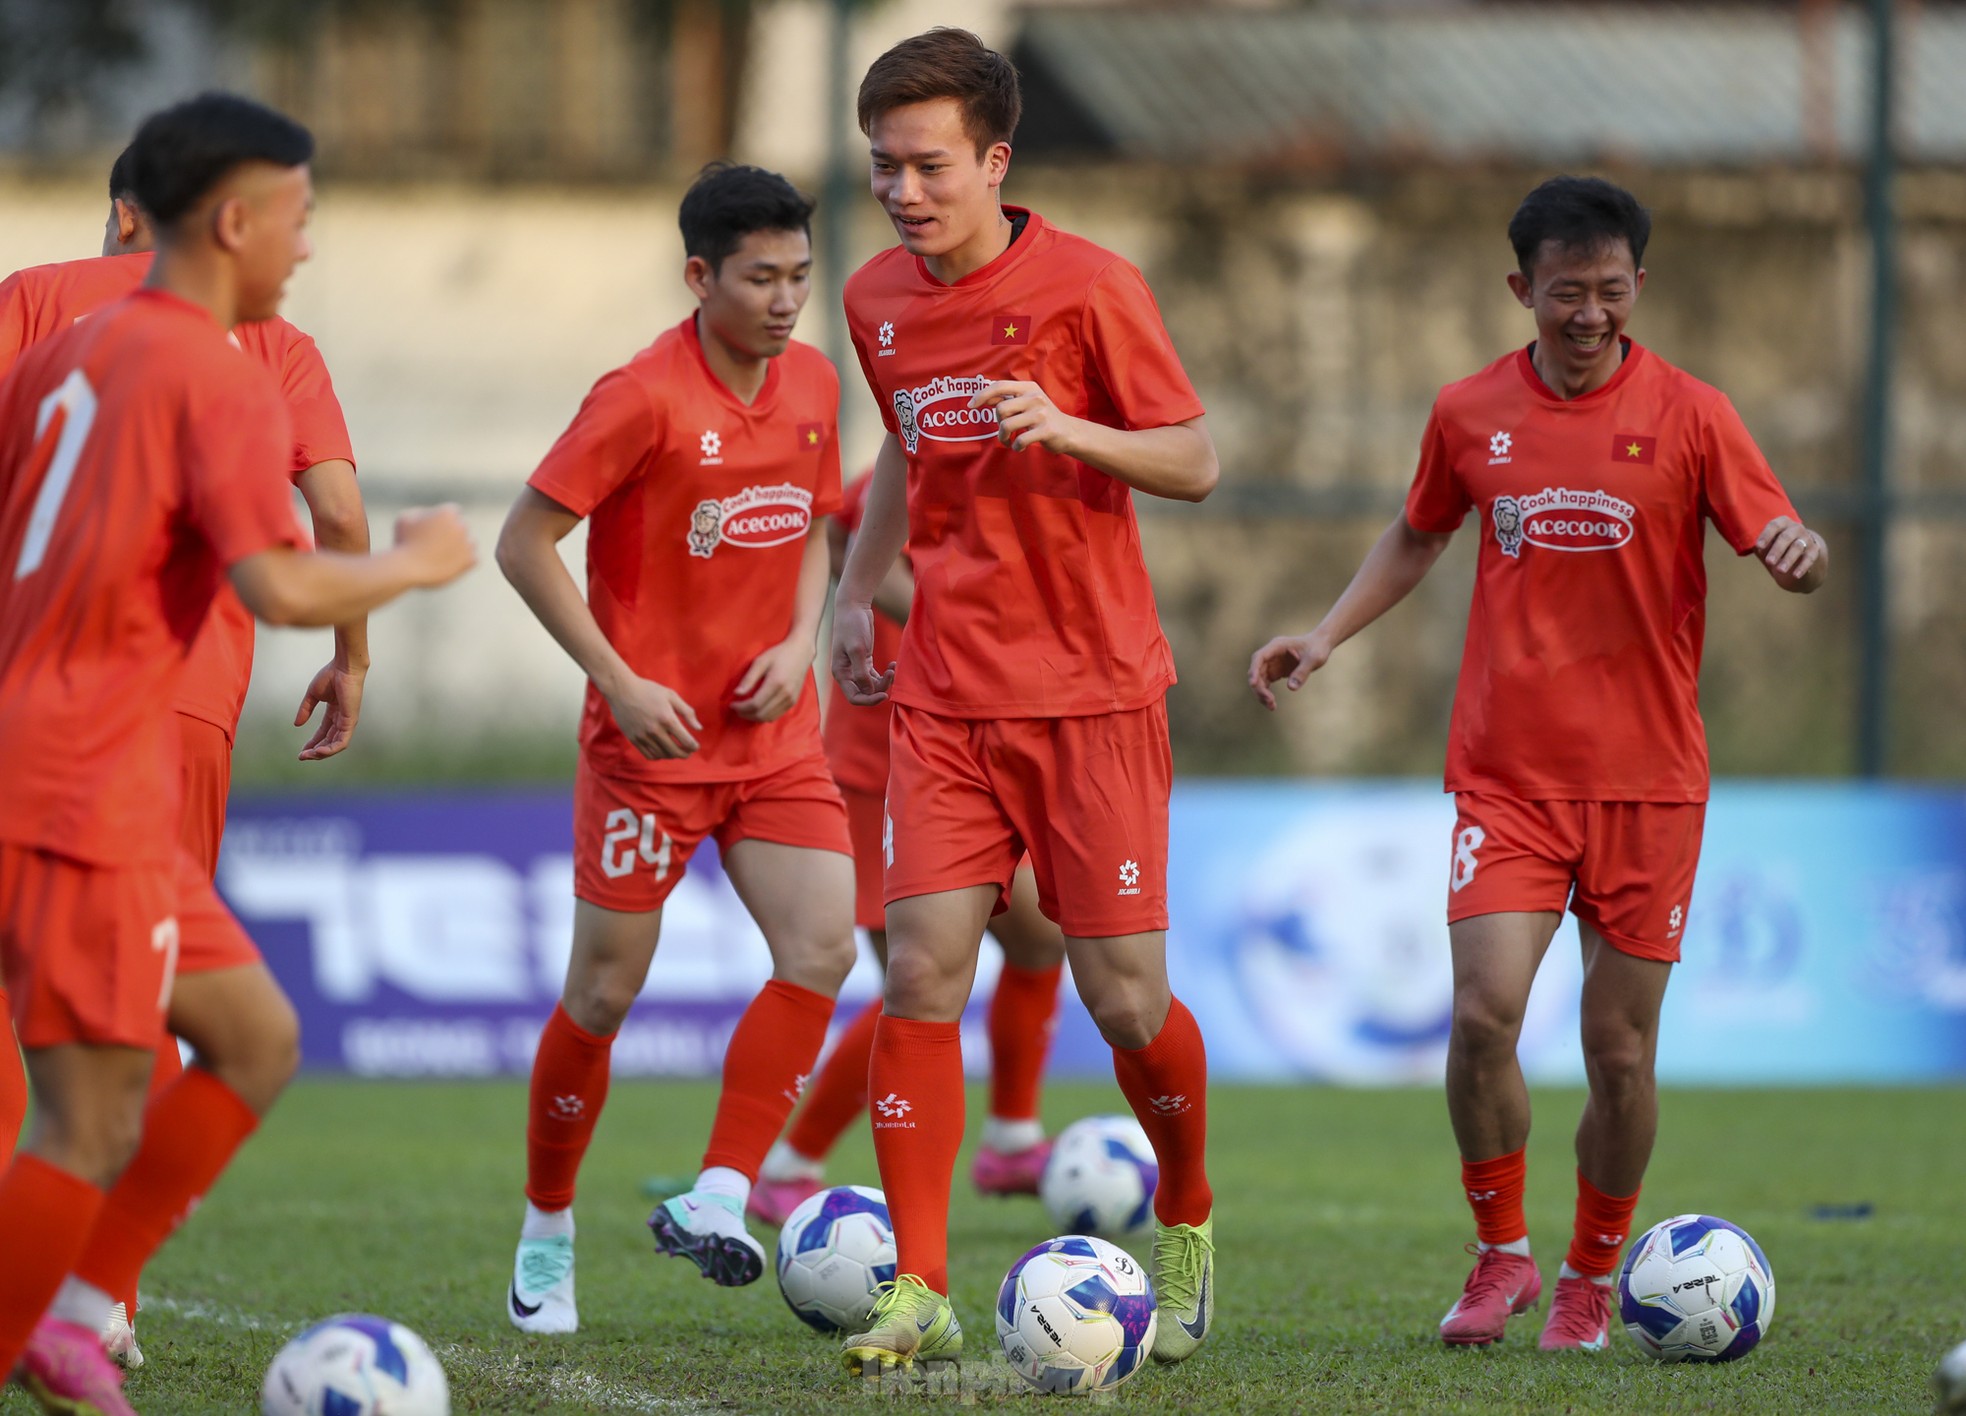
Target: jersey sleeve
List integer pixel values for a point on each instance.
(1129, 348)
(853, 501)
(608, 442)
(320, 429)
(235, 445)
(16, 322)
(1740, 490)
(826, 496)
(1437, 501)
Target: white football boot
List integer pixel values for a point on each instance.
(541, 1296)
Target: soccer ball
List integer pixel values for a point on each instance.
(1100, 1178)
(355, 1365)
(834, 1252)
(1696, 1289)
(1076, 1315)
(1949, 1383)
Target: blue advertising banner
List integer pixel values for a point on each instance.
(427, 935)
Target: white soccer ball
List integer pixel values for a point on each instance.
(1949, 1383)
(355, 1365)
(1696, 1289)
(1100, 1178)
(834, 1252)
(1076, 1314)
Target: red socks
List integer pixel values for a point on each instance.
(915, 1083)
(766, 1065)
(569, 1086)
(839, 1092)
(190, 1134)
(1166, 1084)
(45, 1218)
(13, 1081)
(1494, 1190)
(168, 1067)
(1023, 1012)
(1603, 1222)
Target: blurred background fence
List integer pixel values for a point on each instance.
(1318, 193)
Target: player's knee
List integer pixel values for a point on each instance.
(1484, 1025)
(819, 962)
(1617, 1059)
(1126, 1018)
(918, 986)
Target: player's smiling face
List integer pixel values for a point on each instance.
(269, 227)
(751, 302)
(940, 193)
(1582, 298)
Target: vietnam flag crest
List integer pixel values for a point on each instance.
(812, 436)
(1634, 447)
(1010, 329)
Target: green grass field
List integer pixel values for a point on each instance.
(1338, 1220)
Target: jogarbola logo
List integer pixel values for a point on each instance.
(752, 519)
(1562, 519)
(939, 411)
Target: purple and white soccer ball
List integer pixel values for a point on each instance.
(834, 1252)
(1076, 1314)
(355, 1365)
(1100, 1178)
(1696, 1289)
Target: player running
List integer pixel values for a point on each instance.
(44, 300)
(704, 466)
(1028, 387)
(1023, 1008)
(140, 460)
(1577, 756)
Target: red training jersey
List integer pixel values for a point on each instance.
(139, 459)
(1580, 680)
(1031, 593)
(698, 509)
(856, 734)
(44, 300)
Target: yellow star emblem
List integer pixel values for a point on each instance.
(1010, 331)
(1633, 450)
(812, 438)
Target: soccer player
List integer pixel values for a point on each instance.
(140, 461)
(1028, 388)
(704, 466)
(1023, 1009)
(1576, 756)
(44, 300)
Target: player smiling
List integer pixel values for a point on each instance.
(1577, 756)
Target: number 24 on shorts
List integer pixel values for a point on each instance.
(630, 837)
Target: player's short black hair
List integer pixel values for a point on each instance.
(182, 152)
(728, 201)
(119, 176)
(1578, 214)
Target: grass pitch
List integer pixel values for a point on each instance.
(1339, 1227)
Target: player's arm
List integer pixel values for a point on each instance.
(1398, 561)
(290, 587)
(341, 523)
(776, 678)
(897, 593)
(876, 546)
(1796, 558)
(1177, 461)
(652, 716)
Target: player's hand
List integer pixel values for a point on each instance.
(1292, 657)
(1026, 416)
(338, 692)
(853, 655)
(1789, 548)
(437, 538)
(774, 682)
(655, 719)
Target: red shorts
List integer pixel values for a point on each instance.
(866, 815)
(632, 839)
(1087, 797)
(89, 952)
(1625, 868)
(207, 778)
